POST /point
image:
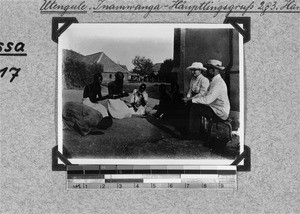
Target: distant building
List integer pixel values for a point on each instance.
(109, 66)
(133, 77)
(123, 66)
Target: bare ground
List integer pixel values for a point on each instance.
(133, 138)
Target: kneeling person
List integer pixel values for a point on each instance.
(84, 119)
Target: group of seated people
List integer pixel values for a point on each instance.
(89, 115)
(207, 97)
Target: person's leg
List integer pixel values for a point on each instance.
(206, 111)
(181, 119)
(196, 113)
(194, 119)
(159, 111)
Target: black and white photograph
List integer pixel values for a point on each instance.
(151, 94)
(139, 107)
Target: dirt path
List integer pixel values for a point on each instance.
(131, 138)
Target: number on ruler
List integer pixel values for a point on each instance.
(76, 186)
(170, 185)
(221, 185)
(137, 186)
(187, 185)
(119, 186)
(204, 185)
(153, 186)
(102, 186)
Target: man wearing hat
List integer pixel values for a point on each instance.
(215, 103)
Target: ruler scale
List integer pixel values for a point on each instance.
(81, 177)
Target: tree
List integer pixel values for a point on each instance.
(74, 73)
(165, 71)
(142, 65)
(93, 69)
(77, 74)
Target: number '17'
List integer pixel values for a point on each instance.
(14, 75)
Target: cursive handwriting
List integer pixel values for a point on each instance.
(14, 75)
(53, 6)
(290, 5)
(19, 47)
(11, 49)
(173, 6)
(134, 8)
(208, 6)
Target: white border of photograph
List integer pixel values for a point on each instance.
(95, 161)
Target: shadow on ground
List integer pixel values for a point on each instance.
(135, 138)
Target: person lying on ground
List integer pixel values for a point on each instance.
(84, 119)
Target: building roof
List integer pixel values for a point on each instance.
(124, 66)
(72, 55)
(92, 58)
(109, 66)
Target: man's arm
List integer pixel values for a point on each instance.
(117, 96)
(204, 86)
(100, 97)
(210, 97)
(103, 98)
(189, 94)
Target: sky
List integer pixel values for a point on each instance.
(121, 42)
